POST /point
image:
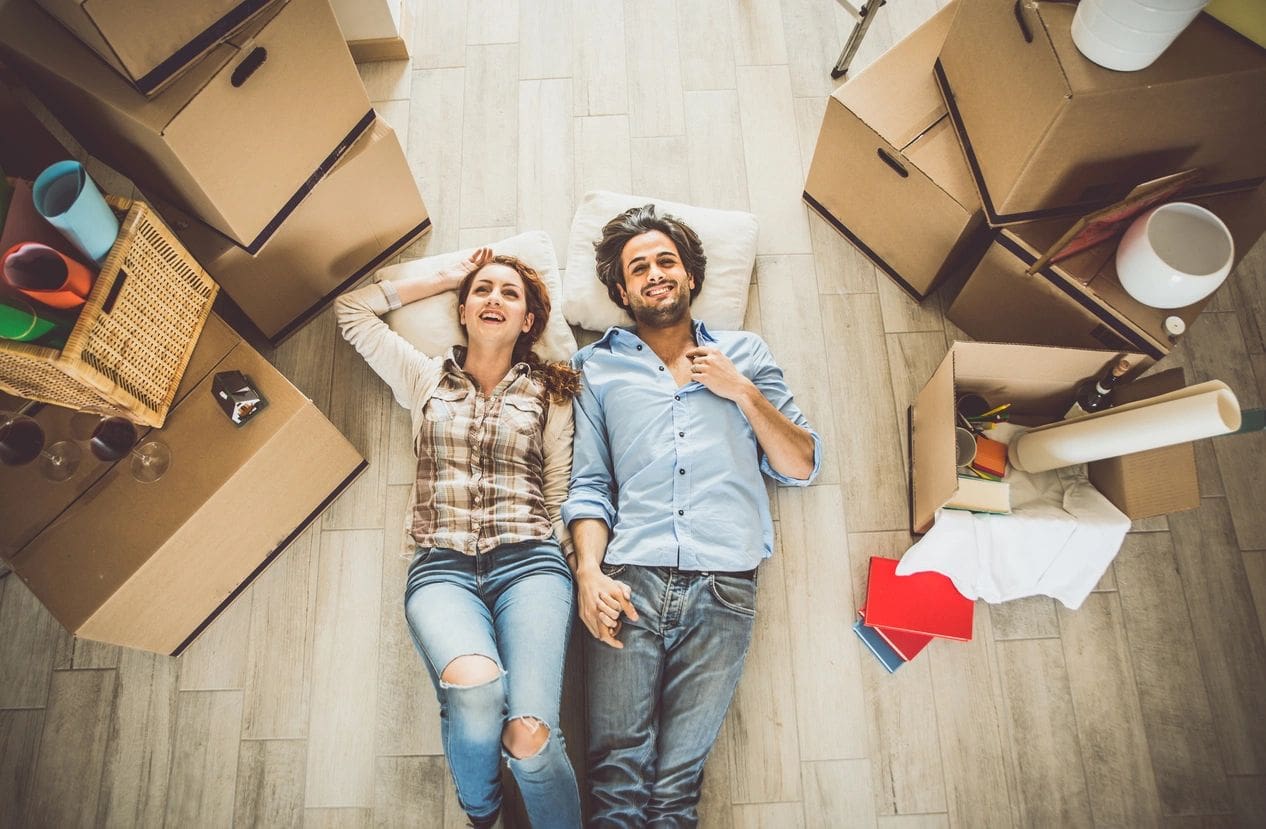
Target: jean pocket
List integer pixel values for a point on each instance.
(613, 570)
(734, 593)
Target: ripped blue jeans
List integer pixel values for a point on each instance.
(514, 606)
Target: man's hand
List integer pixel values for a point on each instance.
(717, 373)
(602, 600)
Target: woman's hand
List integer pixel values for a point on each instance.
(602, 600)
(455, 274)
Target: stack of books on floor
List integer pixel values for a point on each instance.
(902, 614)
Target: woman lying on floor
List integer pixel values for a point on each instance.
(489, 595)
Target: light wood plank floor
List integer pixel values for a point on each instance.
(304, 704)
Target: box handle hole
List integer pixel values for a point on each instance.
(248, 65)
(1024, 27)
(893, 163)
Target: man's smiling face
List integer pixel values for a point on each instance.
(656, 286)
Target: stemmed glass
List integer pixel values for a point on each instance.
(114, 437)
(22, 441)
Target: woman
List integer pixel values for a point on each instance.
(489, 595)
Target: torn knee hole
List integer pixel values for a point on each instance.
(470, 671)
(524, 736)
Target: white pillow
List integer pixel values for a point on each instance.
(431, 324)
(729, 242)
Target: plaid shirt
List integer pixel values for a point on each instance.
(479, 463)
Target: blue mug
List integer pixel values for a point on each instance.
(65, 196)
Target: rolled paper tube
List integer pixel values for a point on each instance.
(46, 275)
(1193, 413)
(20, 322)
(67, 198)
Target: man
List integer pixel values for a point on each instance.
(670, 519)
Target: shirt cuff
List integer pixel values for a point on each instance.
(585, 505)
(778, 477)
(393, 296)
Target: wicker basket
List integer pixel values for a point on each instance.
(132, 342)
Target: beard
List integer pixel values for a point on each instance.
(663, 314)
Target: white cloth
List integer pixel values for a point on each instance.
(1059, 539)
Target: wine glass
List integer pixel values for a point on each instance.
(115, 437)
(22, 441)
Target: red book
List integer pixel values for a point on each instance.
(907, 645)
(922, 603)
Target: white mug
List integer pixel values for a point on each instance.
(1174, 255)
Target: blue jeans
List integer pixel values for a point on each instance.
(656, 706)
(514, 606)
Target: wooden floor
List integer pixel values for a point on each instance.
(305, 703)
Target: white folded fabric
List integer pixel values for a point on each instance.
(1058, 541)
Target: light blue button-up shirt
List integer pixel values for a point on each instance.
(675, 472)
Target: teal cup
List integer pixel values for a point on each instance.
(66, 197)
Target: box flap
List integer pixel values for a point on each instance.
(896, 95)
(1203, 50)
(938, 153)
(934, 477)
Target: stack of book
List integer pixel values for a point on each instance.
(902, 614)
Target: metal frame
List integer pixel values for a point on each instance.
(864, 15)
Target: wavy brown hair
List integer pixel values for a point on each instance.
(561, 381)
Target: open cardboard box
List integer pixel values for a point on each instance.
(238, 140)
(1079, 301)
(1048, 133)
(151, 42)
(363, 212)
(886, 134)
(1040, 383)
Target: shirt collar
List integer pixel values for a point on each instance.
(456, 357)
(618, 332)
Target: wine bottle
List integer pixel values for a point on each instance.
(1095, 394)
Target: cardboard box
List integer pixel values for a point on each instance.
(238, 140)
(1040, 382)
(1079, 301)
(29, 501)
(149, 565)
(888, 173)
(1048, 133)
(151, 42)
(362, 213)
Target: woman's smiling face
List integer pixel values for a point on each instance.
(495, 309)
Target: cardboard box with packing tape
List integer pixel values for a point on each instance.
(152, 41)
(1040, 382)
(1048, 133)
(1078, 301)
(364, 211)
(236, 140)
(888, 173)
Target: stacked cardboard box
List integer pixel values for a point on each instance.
(234, 144)
(887, 171)
(984, 135)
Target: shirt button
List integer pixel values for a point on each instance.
(676, 397)
(681, 471)
(639, 348)
(661, 368)
(681, 434)
(681, 512)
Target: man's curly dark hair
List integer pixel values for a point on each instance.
(634, 222)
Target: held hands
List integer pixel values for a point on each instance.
(717, 373)
(602, 600)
